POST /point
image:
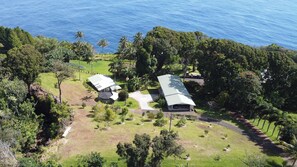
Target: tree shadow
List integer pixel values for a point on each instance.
(245, 128)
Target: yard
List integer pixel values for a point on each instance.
(85, 137)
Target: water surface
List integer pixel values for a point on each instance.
(253, 22)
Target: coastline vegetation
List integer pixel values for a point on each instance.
(253, 83)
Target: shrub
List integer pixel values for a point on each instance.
(124, 111)
(160, 115)
(160, 122)
(83, 105)
(92, 159)
(134, 84)
(161, 102)
(181, 122)
(150, 116)
(123, 95)
(95, 108)
(206, 132)
(130, 117)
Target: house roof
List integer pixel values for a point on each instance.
(174, 90)
(101, 82)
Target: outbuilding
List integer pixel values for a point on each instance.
(105, 86)
(175, 93)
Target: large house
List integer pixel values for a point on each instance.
(105, 86)
(175, 93)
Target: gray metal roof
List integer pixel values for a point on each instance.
(174, 90)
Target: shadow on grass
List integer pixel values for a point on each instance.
(219, 117)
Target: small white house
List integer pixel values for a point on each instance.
(175, 93)
(105, 86)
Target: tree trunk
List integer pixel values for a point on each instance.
(294, 162)
(79, 70)
(273, 130)
(278, 134)
(268, 126)
(258, 121)
(254, 119)
(60, 92)
(263, 124)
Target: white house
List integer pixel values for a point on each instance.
(105, 86)
(175, 93)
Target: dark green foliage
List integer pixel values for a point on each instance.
(164, 146)
(135, 155)
(116, 67)
(83, 51)
(161, 102)
(281, 81)
(289, 131)
(182, 122)
(246, 90)
(146, 63)
(160, 122)
(159, 115)
(13, 93)
(134, 84)
(62, 71)
(45, 45)
(193, 88)
(150, 116)
(15, 37)
(28, 162)
(94, 159)
(25, 63)
(123, 95)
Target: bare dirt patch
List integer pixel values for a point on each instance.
(76, 94)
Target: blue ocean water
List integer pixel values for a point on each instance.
(253, 22)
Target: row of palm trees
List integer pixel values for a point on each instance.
(103, 43)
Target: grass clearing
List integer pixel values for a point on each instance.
(97, 66)
(130, 103)
(85, 138)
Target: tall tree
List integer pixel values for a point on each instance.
(62, 72)
(79, 35)
(136, 155)
(25, 63)
(246, 91)
(164, 146)
(146, 63)
(103, 43)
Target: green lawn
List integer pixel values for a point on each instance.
(97, 66)
(104, 57)
(130, 103)
(202, 150)
(269, 131)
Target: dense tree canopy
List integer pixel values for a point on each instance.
(25, 63)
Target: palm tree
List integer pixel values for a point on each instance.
(79, 35)
(138, 40)
(103, 43)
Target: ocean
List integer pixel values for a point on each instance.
(253, 22)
